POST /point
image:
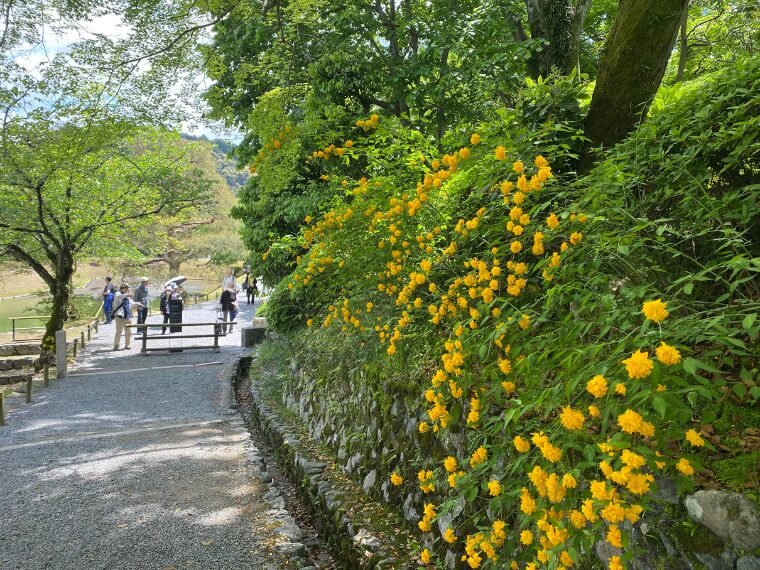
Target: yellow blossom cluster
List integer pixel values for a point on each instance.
(471, 283)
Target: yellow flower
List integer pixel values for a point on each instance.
(478, 457)
(464, 153)
(655, 310)
(597, 386)
(638, 365)
(552, 221)
(450, 464)
(575, 238)
(449, 536)
(425, 556)
(424, 525)
(593, 411)
(423, 427)
(522, 445)
(524, 322)
(526, 537)
(668, 354)
(615, 564)
(494, 488)
(509, 387)
(614, 536)
(518, 167)
(500, 153)
(685, 467)
(630, 421)
(309, 322)
(571, 419)
(620, 389)
(475, 139)
(694, 438)
(569, 482)
(515, 247)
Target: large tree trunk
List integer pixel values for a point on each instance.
(174, 265)
(635, 56)
(60, 289)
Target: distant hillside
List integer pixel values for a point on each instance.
(225, 166)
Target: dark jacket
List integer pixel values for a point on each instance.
(165, 304)
(226, 300)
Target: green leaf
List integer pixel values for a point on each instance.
(749, 321)
(659, 404)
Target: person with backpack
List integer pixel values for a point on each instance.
(108, 293)
(142, 297)
(122, 315)
(225, 302)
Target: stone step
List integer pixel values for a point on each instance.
(14, 376)
(17, 362)
(20, 349)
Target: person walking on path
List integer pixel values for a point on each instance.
(142, 296)
(246, 281)
(165, 308)
(122, 315)
(229, 280)
(226, 301)
(252, 291)
(108, 293)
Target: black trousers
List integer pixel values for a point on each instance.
(166, 320)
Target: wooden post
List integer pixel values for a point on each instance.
(144, 349)
(2, 406)
(61, 362)
(217, 327)
(89, 332)
(82, 336)
(47, 375)
(76, 341)
(96, 325)
(13, 325)
(29, 391)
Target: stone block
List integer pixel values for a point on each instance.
(731, 516)
(251, 336)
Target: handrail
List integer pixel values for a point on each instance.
(144, 337)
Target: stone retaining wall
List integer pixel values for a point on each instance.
(371, 426)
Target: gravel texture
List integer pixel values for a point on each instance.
(140, 462)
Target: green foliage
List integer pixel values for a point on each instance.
(673, 214)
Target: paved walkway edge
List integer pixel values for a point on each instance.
(285, 534)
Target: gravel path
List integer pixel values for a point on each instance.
(139, 462)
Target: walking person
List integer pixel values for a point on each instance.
(108, 294)
(252, 291)
(226, 301)
(142, 296)
(165, 308)
(229, 280)
(122, 316)
(247, 285)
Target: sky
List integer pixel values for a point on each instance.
(111, 26)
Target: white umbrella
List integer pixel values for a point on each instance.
(179, 279)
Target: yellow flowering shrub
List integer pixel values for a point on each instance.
(464, 264)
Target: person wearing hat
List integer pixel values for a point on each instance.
(165, 308)
(142, 297)
(122, 315)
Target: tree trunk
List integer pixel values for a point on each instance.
(683, 45)
(174, 265)
(61, 292)
(559, 24)
(635, 56)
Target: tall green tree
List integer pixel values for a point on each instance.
(77, 180)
